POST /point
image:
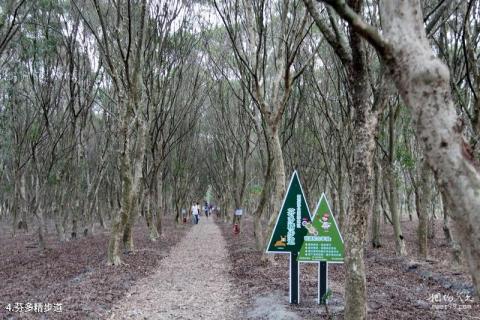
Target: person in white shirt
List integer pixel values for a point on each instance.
(195, 212)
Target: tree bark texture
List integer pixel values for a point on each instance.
(365, 123)
(377, 210)
(422, 203)
(424, 84)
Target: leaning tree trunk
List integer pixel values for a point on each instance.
(424, 84)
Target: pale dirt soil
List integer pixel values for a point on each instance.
(193, 282)
(75, 273)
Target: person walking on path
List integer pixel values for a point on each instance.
(195, 212)
(205, 208)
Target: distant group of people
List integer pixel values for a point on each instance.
(196, 211)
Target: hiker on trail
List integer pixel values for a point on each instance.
(184, 215)
(195, 212)
(205, 208)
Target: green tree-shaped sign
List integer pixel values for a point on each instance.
(289, 231)
(323, 241)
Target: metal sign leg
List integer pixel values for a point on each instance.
(322, 281)
(294, 287)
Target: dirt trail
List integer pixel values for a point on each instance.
(191, 283)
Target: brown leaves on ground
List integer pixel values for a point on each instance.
(397, 288)
(75, 273)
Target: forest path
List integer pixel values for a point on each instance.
(191, 283)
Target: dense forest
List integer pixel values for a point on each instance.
(117, 115)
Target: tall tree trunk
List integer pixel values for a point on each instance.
(393, 204)
(278, 175)
(58, 212)
(65, 213)
(431, 222)
(454, 247)
(18, 206)
(260, 210)
(422, 203)
(16, 200)
(99, 214)
(377, 210)
(75, 212)
(365, 123)
(149, 215)
(160, 210)
(113, 254)
(38, 210)
(340, 195)
(136, 193)
(393, 189)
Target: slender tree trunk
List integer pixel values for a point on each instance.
(393, 189)
(16, 200)
(59, 226)
(19, 204)
(377, 211)
(422, 203)
(75, 212)
(454, 246)
(341, 205)
(431, 223)
(149, 216)
(159, 195)
(57, 214)
(278, 175)
(393, 204)
(99, 214)
(66, 215)
(228, 210)
(409, 207)
(38, 210)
